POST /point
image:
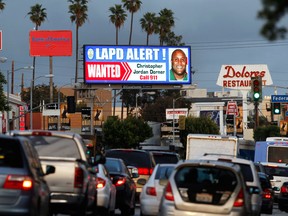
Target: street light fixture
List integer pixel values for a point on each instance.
(8, 90)
(31, 97)
(140, 95)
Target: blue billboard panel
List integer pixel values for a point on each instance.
(137, 64)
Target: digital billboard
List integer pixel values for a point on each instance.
(137, 64)
(50, 43)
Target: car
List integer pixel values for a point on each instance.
(205, 187)
(106, 191)
(250, 175)
(122, 178)
(278, 173)
(23, 189)
(140, 159)
(153, 190)
(73, 185)
(283, 197)
(165, 157)
(267, 195)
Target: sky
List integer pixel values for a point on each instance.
(219, 32)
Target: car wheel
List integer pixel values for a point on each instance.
(125, 211)
(112, 213)
(270, 211)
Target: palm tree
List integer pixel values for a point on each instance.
(2, 5)
(148, 24)
(37, 15)
(117, 17)
(164, 22)
(78, 10)
(132, 6)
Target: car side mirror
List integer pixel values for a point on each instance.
(50, 169)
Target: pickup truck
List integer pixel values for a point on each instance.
(73, 185)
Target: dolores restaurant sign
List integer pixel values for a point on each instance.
(239, 76)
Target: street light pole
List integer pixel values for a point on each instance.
(31, 97)
(8, 91)
(173, 123)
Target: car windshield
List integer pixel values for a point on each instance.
(165, 158)
(52, 146)
(163, 172)
(113, 165)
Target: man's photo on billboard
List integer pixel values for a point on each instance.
(178, 65)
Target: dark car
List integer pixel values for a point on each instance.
(165, 157)
(267, 195)
(122, 178)
(23, 190)
(283, 197)
(140, 159)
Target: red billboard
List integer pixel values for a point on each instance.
(50, 43)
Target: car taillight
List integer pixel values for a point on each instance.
(121, 181)
(41, 133)
(168, 194)
(18, 182)
(284, 189)
(151, 191)
(100, 182)
(239, 201)
(144, 171)
(78, 178)
(267, 194)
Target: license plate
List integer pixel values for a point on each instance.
(204, 197)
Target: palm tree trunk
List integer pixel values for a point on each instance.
(131, 28)
(51, 78)
(147, 39)
(76, 62)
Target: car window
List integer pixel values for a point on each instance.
(246, 172)
(265, 183)
(132, 158)
(165, 158)
(163, 172)
(10, 154)
(276, 171)
(113, 165)
(55, 146)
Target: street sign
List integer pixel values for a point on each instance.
(232, 108)
(279, 98)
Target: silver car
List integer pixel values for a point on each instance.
(153, 190)
(205, 187)
(106, 192)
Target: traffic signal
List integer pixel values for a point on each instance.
(276, 108)
(71, 105)
(230, 119)
(256, 88)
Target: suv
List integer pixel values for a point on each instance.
(278, 173)
(140, 159)
(73, 185)
(23, 190)
(205, 187)
(250, 175)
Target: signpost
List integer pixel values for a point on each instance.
(232, 109)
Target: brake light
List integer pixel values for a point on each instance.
(151, 191)
(144, 171)
(78, 178)
(239, 201)
(121, 181)
(168, 194)
(267, 194)
(18, 182)
(41, 133)
(284, 189)
(100, 182)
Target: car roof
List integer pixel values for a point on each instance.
(274, 164)
(228, 158)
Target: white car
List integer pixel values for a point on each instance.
(250, 175)
(152, 191)
(106, 192)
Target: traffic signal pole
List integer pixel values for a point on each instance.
(256, 120)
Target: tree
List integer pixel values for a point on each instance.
(37, 15)
(198, 125)
(128, 133)
(4, 105)
(78, 10)
(272, 12)
(132, 6)
(173, 40)
(148, 24)
(164, 23)
(2, 5)
(262, 132)
(117, 17)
